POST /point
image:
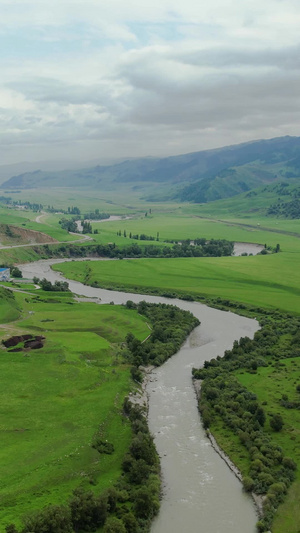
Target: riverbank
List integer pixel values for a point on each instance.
(258, 500)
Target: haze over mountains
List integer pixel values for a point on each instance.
(196, 177)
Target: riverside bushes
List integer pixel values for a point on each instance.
(212, 248)
(170, 327)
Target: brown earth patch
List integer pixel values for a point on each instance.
(30, 342)
(19, 235)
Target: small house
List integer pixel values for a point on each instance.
(4, 274)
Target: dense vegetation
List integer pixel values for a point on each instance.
(286, 209)
(170, 327)
(212, 248)
(46, 285)
(226, 403)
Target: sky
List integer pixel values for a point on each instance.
(97, 79)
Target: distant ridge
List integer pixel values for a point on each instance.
(195, 177)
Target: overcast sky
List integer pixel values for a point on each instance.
(89, 79)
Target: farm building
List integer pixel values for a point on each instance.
(4, 274)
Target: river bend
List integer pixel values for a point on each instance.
(200, 493)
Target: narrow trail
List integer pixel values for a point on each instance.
(82, 239)
(38, 219)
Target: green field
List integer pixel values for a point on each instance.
(256, 280)
(54, 400)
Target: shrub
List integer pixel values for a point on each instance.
(276, 422)
(248, 484)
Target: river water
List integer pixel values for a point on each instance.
(200, 493)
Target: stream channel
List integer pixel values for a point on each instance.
(200, 492)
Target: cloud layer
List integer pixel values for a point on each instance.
(84, 80)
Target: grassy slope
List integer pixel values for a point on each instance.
(8, 307)
(54, 399)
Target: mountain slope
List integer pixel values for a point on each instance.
(197, 177)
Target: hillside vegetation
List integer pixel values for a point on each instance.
(9, 309)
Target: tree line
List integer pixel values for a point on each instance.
(214, 248)
(170, 327)
(46, 285)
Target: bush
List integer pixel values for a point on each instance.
(52, 519)
(276, 422)
(88, 511)
(248, 484)
(114, 525)
(145, 504)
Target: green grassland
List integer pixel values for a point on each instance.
(55, 399)
(256, 280)
(178, 226)
(270, 384)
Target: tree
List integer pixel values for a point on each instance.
(16, 272)
(260, 416)
(114, 525)
(52, 519)
(146, 504)
(87, 227)
(88, 511)
(11, 528)
(276, 422)
(248, 484)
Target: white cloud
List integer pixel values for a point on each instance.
(135, 78)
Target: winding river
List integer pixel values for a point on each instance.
(200, 493)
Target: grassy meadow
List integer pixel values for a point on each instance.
(55, 399)
(255, 280)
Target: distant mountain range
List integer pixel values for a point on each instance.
(196, 177)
